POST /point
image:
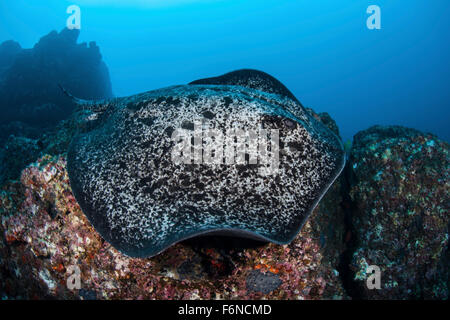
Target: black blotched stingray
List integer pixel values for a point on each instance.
(142, 199)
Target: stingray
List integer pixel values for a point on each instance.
(156, 168)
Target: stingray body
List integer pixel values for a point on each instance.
(142, 199)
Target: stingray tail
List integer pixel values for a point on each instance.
(80, 102)
(96, 106)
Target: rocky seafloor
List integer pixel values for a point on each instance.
(389, 208)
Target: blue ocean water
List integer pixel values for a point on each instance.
(321, 50)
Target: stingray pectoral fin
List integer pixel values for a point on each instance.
(252, 79)
(129, 182)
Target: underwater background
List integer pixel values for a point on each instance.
(321, 50)
(382, 91)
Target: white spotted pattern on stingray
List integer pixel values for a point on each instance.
(139, 200)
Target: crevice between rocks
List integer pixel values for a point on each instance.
(350, 286)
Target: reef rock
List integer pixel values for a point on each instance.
(46, 239)
(400, 188)
(17, 129)
(17, 153)
(145, 186)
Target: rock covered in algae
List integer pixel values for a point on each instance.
(15, 155)
(400, 186)
(45, 236)
(255, 164)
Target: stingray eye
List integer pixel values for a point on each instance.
(289, 123)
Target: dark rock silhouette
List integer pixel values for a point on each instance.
(29, 78)
(8, 52)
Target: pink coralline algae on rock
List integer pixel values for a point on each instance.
(47, 238)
